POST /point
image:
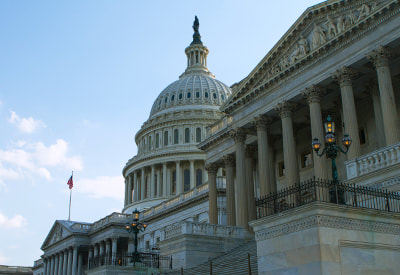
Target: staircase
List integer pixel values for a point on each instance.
(234, 262)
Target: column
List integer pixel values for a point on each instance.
(90, 258)
(264, 161)
(343, 77)
(153, 182)
(101, 252)
(192, 178)
(135, 187)
(373, 90)
(179, 187)
(52, 264)
(166, 191)
(44, 266)
(56, 264)
(313, 95)
(114, 250)
(249, 160)
(380, 58)
(108, 251)
(126, 192)
(159, 183)
(69, 269)
(60, 263)
(129, 188)
(229, 161)
(289, 144)
(212, 193)
(242, 217)
(65, 263)
(75, 261)
(80, 260)
(142, 185)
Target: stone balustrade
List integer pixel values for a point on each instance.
(374, 161)
(219, 125)
(114, 217)
(206, 229)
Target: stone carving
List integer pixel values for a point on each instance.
(313, 93)
(58, 233)
(364, 11)
(319, 36)
(285, 109)
(332, 31)
(340, 25)
(302, 49)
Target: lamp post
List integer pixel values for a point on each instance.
(331, 149)
(135, 227)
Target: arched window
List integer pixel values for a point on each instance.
(214, 95)
(180, 96)
(198, 134)
(176, 136)
(186, 180)
(199, 177)
(172, 97)
(222, 97)
(187, 135)
(206, 95)
(166, 138)
(166, 99)
(197, 94)
(149, 143)
(189, 94)
(157, 140)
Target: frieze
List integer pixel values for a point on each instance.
(327, 221)
(320, 32)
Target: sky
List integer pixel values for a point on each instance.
(78, 79)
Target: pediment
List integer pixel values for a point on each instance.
(58, 232)
(313, 33)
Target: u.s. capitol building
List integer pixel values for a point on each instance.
(226, 171)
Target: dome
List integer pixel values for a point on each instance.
(195, 91)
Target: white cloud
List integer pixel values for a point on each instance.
(101, 187)
(15, 222)
(26, 125)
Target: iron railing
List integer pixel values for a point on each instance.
(151, 260)
(327, 191)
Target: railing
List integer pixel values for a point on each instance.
(219, 125)
(327, 191)
(376, 160)
(152, 260)
(114, 217)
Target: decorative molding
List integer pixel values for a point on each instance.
(320, 220)
(239, 135)
(313, 94)
(380, 56)
(344, 76)
(285, 109)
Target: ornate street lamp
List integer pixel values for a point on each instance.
(331, 149)
(135, 227)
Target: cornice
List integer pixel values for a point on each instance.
(260, 80)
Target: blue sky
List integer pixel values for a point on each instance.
(78, 79)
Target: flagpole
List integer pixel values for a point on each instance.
(70, 195)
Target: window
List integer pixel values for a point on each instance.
(363, 136)
(180, 96)
(199, 177)
(222, 97)
(173, 187)
(166, 99)
(166, 138)
(172, 97)
(187, 135)
(214, 95)
(186, 180)
(197, 94)
(198, 134)
(206, 95)
(281, 167)
(149, 143)
(306, 159)
(176, 136)
(189, 95)
(157, 140)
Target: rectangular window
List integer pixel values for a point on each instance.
(166, 138)
(187, 135)
(176, 136)
(198, 134)
(281, 167)
(157, 140)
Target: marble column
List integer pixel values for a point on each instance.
(242, 218)
(153, 182)
(159, 183)
(179, 187)
(142, 184)
(45, 266)
(380, 58)
(65, 263)
(75, 261)
(126, 192)
(108, 249)
(129, 188)
(289, 144)
(90, 258)
(80, 261)
(52, 264)
(56, 263)
(114, 249)
(192, 178)
(212, 193)
(249, 162)
(69, 269)
(229, 161)
(313, 95)
(135, 187)
(264, 161)
(373, 90)
(60, 263)
(343, 77)
(166, 191)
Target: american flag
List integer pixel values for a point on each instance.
(70, 182)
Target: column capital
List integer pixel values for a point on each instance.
(262, 121)
(229, 160)
(380, 56)
(344, 76)
(285, 108)
(212, 168)
(239, 135)
(313, 93)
